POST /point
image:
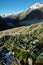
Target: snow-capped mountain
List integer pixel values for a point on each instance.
(36, 7)
(34, 14)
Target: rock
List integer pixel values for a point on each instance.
(9, 58)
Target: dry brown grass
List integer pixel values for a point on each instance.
(14, 31)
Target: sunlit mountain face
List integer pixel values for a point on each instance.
(34, 14)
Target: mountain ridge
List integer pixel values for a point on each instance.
(12, 21)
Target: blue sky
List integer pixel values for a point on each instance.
(13, 6)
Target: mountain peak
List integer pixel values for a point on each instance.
(36, 6)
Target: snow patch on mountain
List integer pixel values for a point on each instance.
(36, 6)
